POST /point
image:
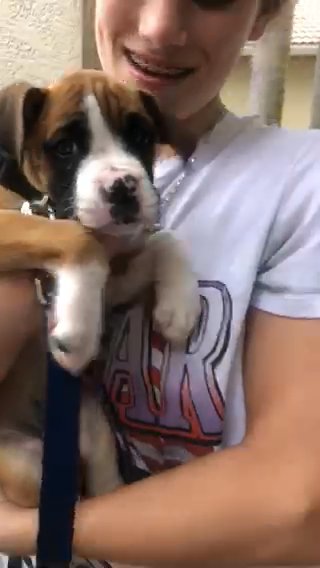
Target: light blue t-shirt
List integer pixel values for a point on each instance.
(248, 213)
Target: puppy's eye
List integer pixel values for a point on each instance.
(143, 138)
(4, 157)
(62, 148)
(138, 131)
(65, 148)
(214, 4)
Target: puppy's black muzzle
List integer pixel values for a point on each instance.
(123, 199)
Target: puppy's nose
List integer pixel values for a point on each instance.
(123, 200)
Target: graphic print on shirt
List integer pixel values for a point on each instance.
(169, 403)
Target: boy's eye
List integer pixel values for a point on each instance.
(214, 4)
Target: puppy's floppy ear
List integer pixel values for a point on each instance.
(20, 106)
(152, 109)
(12, 177)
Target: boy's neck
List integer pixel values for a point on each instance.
(185, 134)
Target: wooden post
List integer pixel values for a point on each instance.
(90, 58)
(315, 109)
(269, 66)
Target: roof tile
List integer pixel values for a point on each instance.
(306, 26)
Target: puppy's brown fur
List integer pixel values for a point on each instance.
(29, 242)
(115, 101)
(29, 117)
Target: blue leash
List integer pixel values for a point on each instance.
(60, 477)
(61, 456)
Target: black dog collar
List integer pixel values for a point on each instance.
(44, 283)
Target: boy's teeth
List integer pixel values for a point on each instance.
(154, 68)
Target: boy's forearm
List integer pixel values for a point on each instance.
(18, 530)
(229, 508)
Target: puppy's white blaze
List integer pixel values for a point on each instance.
(78, 310)
(102, 140)
(106, 161)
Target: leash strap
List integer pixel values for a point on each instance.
(60, 477)
(60, 467)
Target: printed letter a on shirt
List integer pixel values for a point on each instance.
(175, 394)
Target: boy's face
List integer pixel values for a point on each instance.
(181, 51)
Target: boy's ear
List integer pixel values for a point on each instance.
(272, 16)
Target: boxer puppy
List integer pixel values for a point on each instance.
(89, 144)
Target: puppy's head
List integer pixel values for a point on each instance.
(90, 144)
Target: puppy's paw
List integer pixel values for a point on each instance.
(177, 308)
(75, 339)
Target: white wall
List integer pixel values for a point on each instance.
(39, 39)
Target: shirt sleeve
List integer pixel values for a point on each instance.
(288, 280)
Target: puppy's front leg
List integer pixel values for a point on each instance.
(177, 306)
(77, 312)
(78, 262)
(162, 263)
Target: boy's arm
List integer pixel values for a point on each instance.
(257, 503)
